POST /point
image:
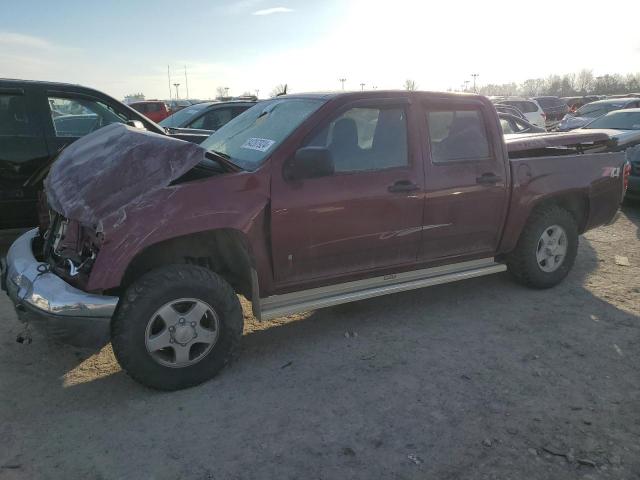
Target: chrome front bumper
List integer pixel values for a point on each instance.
(43, 298)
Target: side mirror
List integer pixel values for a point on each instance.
(310, 162)
(136, 124)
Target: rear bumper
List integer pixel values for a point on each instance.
(44, 299)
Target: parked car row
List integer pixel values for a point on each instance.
(590, 111)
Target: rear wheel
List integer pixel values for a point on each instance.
(546, 249)
(176, 327)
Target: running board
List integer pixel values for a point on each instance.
(305, 300)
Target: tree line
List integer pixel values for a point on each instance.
(568, 85)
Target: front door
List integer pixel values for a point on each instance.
(466, 181)
(365, 216)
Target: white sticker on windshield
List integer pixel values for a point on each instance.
(260, 144)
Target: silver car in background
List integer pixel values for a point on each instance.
(589, 112)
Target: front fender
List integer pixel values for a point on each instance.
(233, 201)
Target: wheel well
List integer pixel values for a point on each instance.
(223, 251)
(575, 203)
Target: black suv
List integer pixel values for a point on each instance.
(37, 120)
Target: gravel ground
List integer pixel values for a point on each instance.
(481, 379)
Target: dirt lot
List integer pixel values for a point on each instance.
(481, 379)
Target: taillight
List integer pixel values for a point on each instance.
(626, 173)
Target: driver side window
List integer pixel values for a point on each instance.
(76, 117)
(366, 139)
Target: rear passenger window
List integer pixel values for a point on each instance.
(365, 139)
(457, 135)
(14, 117)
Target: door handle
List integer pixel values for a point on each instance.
(403, 186)
(488, 179)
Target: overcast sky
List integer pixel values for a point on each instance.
(125, 47)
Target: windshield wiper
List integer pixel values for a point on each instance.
(226, 159)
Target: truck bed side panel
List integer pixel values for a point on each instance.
(593, 178)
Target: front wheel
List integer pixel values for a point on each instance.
(546, 249)
(176, 327)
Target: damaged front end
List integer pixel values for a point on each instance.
(69, 249)
(96, 178)
(88, 190)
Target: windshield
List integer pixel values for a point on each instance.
(249, 138)
(595, 110)
(182, 117)
(618, 121)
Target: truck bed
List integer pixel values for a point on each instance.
(556, 143)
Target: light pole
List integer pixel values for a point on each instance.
(186, 81)
(466, 86)
(475, 75)
(226, 91)
(177, 94)
(257, 92)
(342, 80)
(362, 86)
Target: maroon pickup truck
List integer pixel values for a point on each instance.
(301, 202)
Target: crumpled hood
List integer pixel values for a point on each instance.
(104, 171)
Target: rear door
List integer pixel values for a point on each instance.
(466, 180)
(365, 216)
(23, 150)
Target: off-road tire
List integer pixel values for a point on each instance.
(522, 262)
(153, 290)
